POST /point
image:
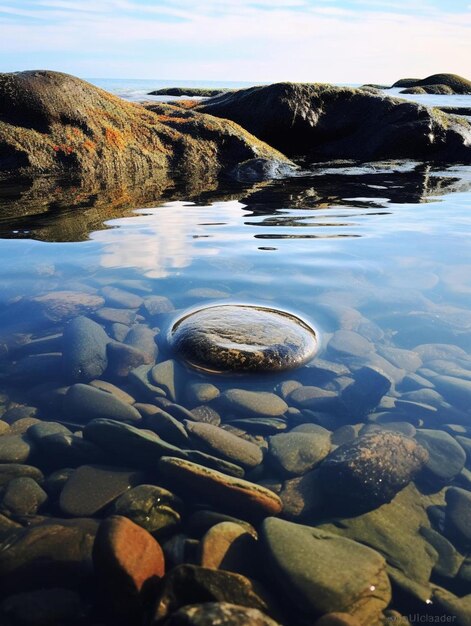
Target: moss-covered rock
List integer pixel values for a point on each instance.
(405, 82)
(326, 122)
(456, 83)
(443, 90)
(53, 123)
(201, 92)
(418, 91)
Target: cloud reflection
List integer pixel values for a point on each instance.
(160, 241)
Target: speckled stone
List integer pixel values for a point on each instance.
(187, 584)
(15, 449)
(243, 338)
(371, 470)
(22, 496)
(221, 613)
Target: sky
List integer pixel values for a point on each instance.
(339, 41)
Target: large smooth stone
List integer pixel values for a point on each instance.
(218, 488)
(228, 546)
(397, 531)
(84, 350)
(243, 338)
(143, 338)
(123, 358)
(253, 403)
(120, 298)
(458, 516)
(371, 470)
(91, 487)
(15, 449)
(57, 306)
(128, 563)
(22, 496)
(446, 456)
(321, 572)
(222, 443)
(295, 453)
(84, 403)
(46, 555)
(129, 445)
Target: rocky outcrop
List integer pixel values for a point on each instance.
(457, 84)
(200, 92)
(443, 90)
(56, 124)
(326, 122)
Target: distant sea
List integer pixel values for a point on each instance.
(137, 89)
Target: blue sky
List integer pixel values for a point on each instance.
(253, 40)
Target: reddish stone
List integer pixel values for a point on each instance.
(128, 562)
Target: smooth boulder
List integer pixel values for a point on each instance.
(243, 338)
(84, 349)
(321, 572)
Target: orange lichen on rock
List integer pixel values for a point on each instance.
(114, 137)
(56, 124)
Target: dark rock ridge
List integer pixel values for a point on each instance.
(326, 122)
(202, 92)
(53, 123)
(456, 110)
(457, 84)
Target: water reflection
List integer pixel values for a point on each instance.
(159, 240)
(48, 209)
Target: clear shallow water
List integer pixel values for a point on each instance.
(389, 241)
(380, 251)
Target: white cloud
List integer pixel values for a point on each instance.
(241, 42)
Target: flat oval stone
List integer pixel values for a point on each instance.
(243, 338)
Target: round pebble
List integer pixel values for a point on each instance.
(243, 338)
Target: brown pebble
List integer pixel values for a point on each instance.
(128, 562)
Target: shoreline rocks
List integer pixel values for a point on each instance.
(325, 122)
(452, 83)
(54, 123)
